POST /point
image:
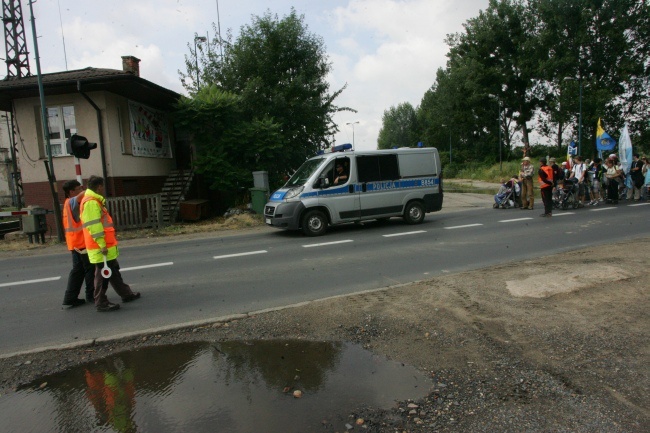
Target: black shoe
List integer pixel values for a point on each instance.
(132, 297)
(74, 303)
(90, 299)
(108, 307)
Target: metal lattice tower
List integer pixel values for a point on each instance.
(15, 43)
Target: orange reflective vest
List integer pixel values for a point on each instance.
(549, 176)
(74, 235)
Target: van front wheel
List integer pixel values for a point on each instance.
(314, 223)
(414, 213)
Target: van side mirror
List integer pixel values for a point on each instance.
(323, 182)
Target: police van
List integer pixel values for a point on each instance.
(349, 186)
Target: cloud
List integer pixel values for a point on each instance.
(398, 47)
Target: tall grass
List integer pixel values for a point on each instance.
(484, 172)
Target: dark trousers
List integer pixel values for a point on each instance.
(82, 270)
(612, 190)
(101, 283)
(547, 198)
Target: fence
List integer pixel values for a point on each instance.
(136, 211)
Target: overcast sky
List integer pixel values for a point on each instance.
(387, 51)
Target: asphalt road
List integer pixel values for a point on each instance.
(201, 279)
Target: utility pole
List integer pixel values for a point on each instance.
(46, 133)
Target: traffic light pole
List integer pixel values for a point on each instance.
(77, 169)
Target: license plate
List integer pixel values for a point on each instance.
(268, 220)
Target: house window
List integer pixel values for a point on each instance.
(60, 121)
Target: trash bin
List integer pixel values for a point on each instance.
(258, 200)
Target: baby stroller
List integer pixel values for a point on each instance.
(508, 195)
(566, 194)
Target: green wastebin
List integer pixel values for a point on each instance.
(258, 200)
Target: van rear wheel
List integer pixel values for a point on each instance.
(314, 223)
(414, 213)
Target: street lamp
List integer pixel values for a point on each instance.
(579, 80)
(498, 126)
(352, 123)
(444, 126)
(197, 39)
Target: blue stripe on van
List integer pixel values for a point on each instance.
(370, 187)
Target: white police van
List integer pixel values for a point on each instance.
(349, 186)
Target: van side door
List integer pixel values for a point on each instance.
(379, 181)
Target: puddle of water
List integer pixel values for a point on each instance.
(226, 387)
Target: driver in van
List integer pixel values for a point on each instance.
(341, 175)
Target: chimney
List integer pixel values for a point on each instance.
(131, 64)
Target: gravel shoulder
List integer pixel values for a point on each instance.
(555, 344)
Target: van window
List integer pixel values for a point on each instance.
(377, 168)
(333, 174)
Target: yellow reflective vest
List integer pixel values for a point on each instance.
(98, 228)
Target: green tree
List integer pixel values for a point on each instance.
(399, 127)
(519, 53)
(605, 50)
(223, 132)
(278, 70)
(500, 50)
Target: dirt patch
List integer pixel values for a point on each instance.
(564, 280)
(534, 347)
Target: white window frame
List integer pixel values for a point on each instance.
(57, 117)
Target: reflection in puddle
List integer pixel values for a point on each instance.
(225, 387)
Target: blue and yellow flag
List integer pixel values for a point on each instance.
(603, 140)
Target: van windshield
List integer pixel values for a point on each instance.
(304, 172)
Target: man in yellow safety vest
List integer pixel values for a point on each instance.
(99, 236)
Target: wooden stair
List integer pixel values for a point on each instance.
(173, 193)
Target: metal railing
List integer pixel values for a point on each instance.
(136, 211)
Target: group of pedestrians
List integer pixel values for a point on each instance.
(90, 236)
(595, 181)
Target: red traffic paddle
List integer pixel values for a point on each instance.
(106, 271)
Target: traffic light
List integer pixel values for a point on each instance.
(79, 146)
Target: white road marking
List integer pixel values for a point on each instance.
(462, 227)
(250, 253)
(638, 204)
(516, 219)
(405, 233)
(563, 214)
(40, 280)
(327, 243)
(155, 265)
(601, 208)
